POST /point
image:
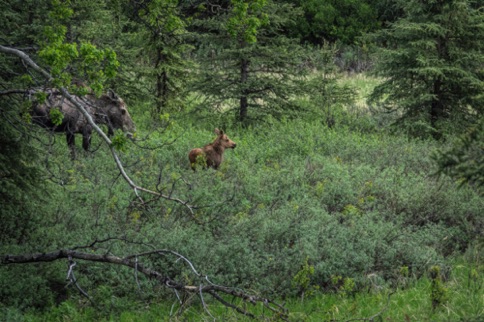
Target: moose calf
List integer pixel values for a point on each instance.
(212, 153)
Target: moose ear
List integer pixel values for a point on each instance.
(218, 132)
(112, 95)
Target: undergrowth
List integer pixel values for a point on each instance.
(299, 210)
(409, 302)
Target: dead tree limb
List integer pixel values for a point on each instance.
(13, 91)
(27, 60)
(133, 262)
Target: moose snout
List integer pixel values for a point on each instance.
(130, 135)
(129, 131)
(234, 145)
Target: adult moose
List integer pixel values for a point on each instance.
(107, 109)
(212, 154)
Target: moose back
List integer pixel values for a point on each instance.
(108, 109)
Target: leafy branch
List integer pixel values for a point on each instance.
(27, 60)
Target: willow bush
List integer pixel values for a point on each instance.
(351, 203)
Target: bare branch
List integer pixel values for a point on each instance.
(72, 279)
(224, 302)
(133, 262)
(13, 91)
(27, 60)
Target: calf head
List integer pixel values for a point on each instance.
(223, 140)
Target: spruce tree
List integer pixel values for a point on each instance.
(248, 64)
(21, 185)
(157, 53)
(464, 160)
(431, 64)
(335, 20)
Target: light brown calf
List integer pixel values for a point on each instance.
(212, 153)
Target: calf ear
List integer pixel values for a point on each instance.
(218, 132)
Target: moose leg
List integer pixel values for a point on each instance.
(71, 143)
(86, 138)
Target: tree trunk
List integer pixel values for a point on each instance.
(161, 83)
(244, 75)
(437, 108)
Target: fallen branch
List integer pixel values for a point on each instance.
(13, 91)
(133, 262)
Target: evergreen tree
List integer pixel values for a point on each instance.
(388, 11)
(21, 186)
(431, 63)
(156, 38)
(335, 20)
(20, 178)
(464, 161)
(247, 60)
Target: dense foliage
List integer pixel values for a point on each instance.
(249, 66)
(351, 204)
(431, 61)
(319, 198)
(464, 161)
(336, 20)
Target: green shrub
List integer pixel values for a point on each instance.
(356, 203)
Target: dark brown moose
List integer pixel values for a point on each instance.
(212, 154)
(108, 109)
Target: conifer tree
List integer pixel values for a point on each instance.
(431, 63)
(464, 161)
(249, 65)
(159, 62)
(335, 20)
(20, 181)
